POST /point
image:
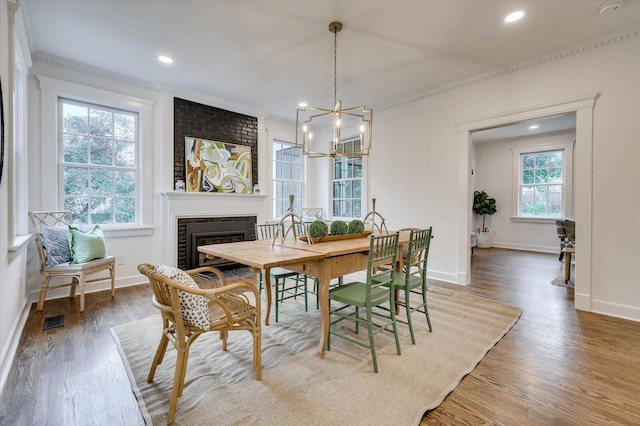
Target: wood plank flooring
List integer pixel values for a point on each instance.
(556, 366)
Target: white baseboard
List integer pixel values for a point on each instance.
(526, 247)
(10, 349)
(615, 310)
(444, 276)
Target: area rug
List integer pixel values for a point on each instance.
(298, 387)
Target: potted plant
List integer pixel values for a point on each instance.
(483, 205)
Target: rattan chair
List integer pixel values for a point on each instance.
(77, 273)
(230, 310)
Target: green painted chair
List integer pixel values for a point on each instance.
(288, 284)
(372, 293)
(414, 278)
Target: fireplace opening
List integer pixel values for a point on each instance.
(205, 231)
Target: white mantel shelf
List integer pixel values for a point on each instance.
(175, 205)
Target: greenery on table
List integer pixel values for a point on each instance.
(356, 226)
(318, 229)
(339, 227)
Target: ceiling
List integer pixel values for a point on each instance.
(269, 55)
(534, 127)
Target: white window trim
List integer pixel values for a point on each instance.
(16, 125)
(53, 89)
(278, 135)
(567, 193)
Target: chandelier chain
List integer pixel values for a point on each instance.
(335, 67)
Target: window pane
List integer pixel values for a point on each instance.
(76, 181)
(555, 175)
(540, 196)
(101, 182)
(357, 168)
(286, 155)
(555, 159)
(336, 189)
(101, 151)
(124, 127)
(125, 183)
(527, 200)
(337, 170)
(297, 172)
(79, 207)
(125, 210)
(286, 171)
(125, 154)
(357, 211)
(100, 123)
(527, 177)
(542, 175)
(357, 189)
(528, 161)
(75, 119)
(344, 205)
(542, 160)
(336, 209)
(74, 149)
(554, 207)
(347, 189)
(101, 210)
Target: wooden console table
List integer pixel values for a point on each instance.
(568, 252)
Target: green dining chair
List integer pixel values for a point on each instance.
(413, 279)
(373, 293)
(287, 284)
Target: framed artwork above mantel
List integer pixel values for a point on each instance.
(214, 166)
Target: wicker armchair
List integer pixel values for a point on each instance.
(78, 273)
(229, 307)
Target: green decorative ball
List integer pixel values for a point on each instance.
(339, 227)
(356, 226)
(318, 229)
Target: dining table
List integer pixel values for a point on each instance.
(323, 260)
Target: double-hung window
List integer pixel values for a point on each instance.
(544, 182)
(288, 169)
(99, 166)
(347, 182)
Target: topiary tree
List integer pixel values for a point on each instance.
(356, 226)
(483, 205)
(318, 229)
(339, 227)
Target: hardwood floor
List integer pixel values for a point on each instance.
(556, 366)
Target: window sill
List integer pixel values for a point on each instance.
(19, 245)
(534, 219)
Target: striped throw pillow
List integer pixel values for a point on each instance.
(56, 245)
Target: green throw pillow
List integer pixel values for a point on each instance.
(86, 246)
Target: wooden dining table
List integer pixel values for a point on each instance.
(323, 260)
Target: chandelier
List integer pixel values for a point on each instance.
(319, 130)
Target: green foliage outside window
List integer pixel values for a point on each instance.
(99, 163)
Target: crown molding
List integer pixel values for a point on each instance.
(92, 71)
(519, 66)
(213, 101)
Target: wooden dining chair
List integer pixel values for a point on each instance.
(287, 284)
(413, 279)
(195, 302)
(370, 294)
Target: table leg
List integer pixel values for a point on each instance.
(567, 267)
(323, 294)
(267, 287)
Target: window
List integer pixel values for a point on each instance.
(99, 163)
(287, 178)
(544, 182)
(347, 182)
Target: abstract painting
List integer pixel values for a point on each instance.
(213, 166)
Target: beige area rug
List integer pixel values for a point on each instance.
(299, 388)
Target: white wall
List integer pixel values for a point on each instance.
(493, 172)
(417, 164)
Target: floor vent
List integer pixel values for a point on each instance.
(53, 322)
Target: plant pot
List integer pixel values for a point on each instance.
(484, 240)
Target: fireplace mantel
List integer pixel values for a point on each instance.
(176, 205)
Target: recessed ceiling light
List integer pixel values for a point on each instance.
(515, 16)
(165, 59)
(535, 126)
(302, 104)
